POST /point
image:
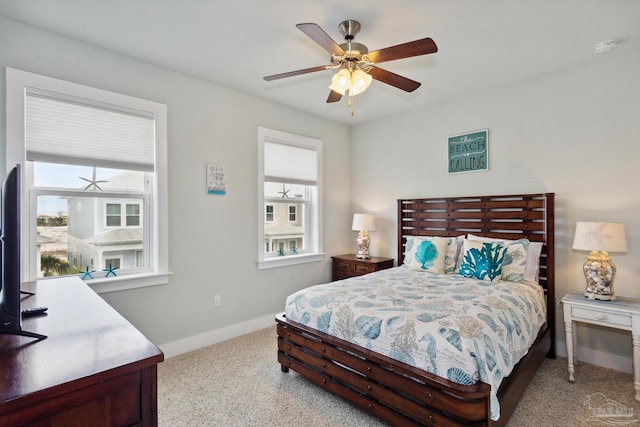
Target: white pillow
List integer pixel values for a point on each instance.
(454, 254)
(532, 262)
(426, 253)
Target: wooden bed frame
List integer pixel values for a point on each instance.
(401, 394)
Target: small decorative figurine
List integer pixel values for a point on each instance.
(110, 270)
(87, 274)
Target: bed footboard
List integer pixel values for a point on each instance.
(397, 394)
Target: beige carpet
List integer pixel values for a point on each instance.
(239, 383)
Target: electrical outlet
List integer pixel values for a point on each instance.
(216, 301)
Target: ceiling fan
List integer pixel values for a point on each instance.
(356, 65)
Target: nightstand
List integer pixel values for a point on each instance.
(345, 266)
(623, 313)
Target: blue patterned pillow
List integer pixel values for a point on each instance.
(516, 258)
(482, 260)
(426, 254)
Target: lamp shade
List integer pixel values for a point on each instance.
(363, 222)
(360, 81)
(600, 236)
(340, 82)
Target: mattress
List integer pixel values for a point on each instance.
(462, 329)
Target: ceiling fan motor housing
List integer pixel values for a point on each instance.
(349, 29)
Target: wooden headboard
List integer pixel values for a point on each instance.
(511, 217)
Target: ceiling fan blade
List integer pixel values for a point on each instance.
(317, 34)
(296, 73)
(393, 79)
(334, 96)
(405, 50)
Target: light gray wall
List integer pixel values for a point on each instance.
(213, 239)
(574, 133)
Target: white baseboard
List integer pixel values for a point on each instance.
(206, 339)
(599, 358)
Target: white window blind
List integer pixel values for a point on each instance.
(69, 130)
(290, 163)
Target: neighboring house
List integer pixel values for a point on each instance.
(284, 217)
(106, 232)
(283, 227)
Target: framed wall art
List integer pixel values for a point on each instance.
(216, 180)
(468, 152)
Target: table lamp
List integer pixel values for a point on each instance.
(600, 238)
(363, 223)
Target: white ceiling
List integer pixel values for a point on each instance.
(483, 44)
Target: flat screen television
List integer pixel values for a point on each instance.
(10, 312)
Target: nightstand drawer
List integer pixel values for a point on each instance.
(343, 266)
(363, 269)
(589, 315)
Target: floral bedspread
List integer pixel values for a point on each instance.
(458, 328)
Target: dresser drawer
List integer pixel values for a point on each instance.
(587, 315)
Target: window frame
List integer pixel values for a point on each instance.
(313, 224)
(17, 82)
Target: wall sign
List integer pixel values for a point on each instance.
(469, 152)
(216, 180)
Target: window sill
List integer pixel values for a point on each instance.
(103, 285)
(283, 261)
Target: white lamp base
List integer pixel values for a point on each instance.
(363, 245)
(599, 272)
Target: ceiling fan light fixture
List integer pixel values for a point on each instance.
(360, 81)
(340, 82)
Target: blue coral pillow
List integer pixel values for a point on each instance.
(516, 258)
(426, 254)
(482, 260)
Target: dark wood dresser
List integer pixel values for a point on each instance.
(345, 266)
(94, 369)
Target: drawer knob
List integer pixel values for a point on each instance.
(600, 316)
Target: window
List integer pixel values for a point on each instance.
(269, 212)
(94, 184)
(289, 180)
(133, 215)
(122, 215)
(114, 211)
(112, 263)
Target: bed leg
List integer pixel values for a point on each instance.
(284, 368)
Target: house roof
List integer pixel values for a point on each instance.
(117, 236)
(283, 230)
